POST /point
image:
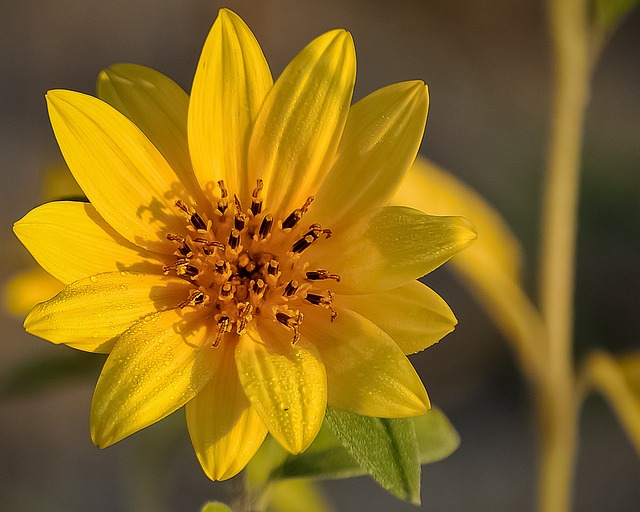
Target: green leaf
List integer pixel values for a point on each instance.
(386, 448)
(41, 373)
(437, 439)
(215, 506)
(327, 457)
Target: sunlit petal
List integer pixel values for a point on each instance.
(297, 132)
(229, 87)
(89, 314)
(380, 141)
(225, 430)
(415, 316)
(156, 366)
(71, 241)
(124, 176)
(391, 247)
(158, 106)
(367, 373)
(286, 384)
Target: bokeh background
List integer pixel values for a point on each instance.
(488, 66)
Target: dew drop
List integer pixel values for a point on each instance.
(94, 279)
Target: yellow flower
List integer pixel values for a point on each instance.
(236, 256)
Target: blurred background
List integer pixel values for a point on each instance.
(489, 70)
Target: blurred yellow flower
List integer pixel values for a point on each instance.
(237, 256)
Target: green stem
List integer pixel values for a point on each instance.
(556, 401)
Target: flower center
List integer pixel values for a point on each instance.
(245, 263)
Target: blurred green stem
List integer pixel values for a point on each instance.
(555, 393)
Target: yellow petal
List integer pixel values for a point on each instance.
(89, 314)
(618, 380)
(286, 384)
(225, 430)
(366, 371)
(71, 241)
(155, 367)
(490, 267)
(380, 141)
(158, 106)
(124, 176)
(231, 82)
(415, 316)
(431, 189)
(297, 132)
(27, 289)
(389, 248)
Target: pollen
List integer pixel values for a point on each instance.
(246, 264)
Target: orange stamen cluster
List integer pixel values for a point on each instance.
(245, 263)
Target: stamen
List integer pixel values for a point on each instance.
(315, 230)
(226, 292)
(209, 246)
(193, 215)
(256, 200)
(234, 238)
(291, 322)
(222, 206)
(183, 248)
(223, 191)
(222, 267)
(302, 244)
(224, 325)
(325, 302)
(273, 267)
(240, 221)
(195, 298)
(245, 314)
(295, 216)
(258, 288)
(237, 204)
(291, 288)
(322, 274)
(265, 226)
(184, 268)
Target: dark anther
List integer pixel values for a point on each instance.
(234, 238)
(183, 248)
(226, 291)
(291, 288)
(315, 230)
(224, 325)
(222, 267)
(258, 287)
(272, 269)
(295, 216)
(240, 221)
(291, 322)
(195, 297)
(322, 274)
(245, 313)
(184, 268)
(256, 200)
(194, 217)
(302, 244)
(265, 225)
(222, 206)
